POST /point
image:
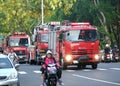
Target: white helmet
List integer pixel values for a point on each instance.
(48, 52)
(107, 45)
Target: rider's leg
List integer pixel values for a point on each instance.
(42, 79)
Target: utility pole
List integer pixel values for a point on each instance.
(42, 12)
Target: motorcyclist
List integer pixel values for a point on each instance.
(106, 50)
(13, 57)
(115, 50)
(50, 59)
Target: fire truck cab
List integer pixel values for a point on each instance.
(79, 45)
(19, 42)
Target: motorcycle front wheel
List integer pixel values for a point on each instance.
(52, 82)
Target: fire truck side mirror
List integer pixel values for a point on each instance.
(102, 36)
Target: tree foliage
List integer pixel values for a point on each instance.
(23, 15)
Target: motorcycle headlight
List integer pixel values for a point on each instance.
(68, 58)
(13, 75)
(96, 57)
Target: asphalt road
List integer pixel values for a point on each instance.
(107, 74)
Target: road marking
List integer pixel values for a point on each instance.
(98, 80)
(70, 70)
(22, 72)
(101, 69)
(86, 70)
(115, 68)
(37, 71)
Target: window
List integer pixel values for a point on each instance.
(81, 35)
(5, 63)
(18, 42)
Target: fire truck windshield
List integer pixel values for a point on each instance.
(81, 35)
(44, 37)
(18, 42)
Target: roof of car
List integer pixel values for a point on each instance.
(3, 56)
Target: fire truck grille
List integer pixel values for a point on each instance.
(82, 52)
(22, 52)
(3, 77)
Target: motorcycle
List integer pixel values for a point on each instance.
(51, 75)
(107, 58)
(116, 57)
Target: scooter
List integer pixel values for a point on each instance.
(107, 58)
(51, 75)
(115, 57)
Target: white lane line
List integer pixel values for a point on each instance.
(86, 70)
(115, 68)
(98, 80)
(37, 71)
(22, 72)
(70, 70)
(101, 69)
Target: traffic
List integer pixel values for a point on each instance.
(54, 47)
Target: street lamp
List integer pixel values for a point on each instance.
(42, 12)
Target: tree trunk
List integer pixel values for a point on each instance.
(102, 20)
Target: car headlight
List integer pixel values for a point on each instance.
(96, 57)
(13, 75)
(68, 58)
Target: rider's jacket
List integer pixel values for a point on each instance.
(107, 50)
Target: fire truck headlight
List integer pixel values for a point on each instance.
(68, 58)
(96, 57)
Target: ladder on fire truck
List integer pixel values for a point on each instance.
(52, 41)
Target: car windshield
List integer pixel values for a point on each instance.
(18, 42)
(5, 63)
(44, 37)
(81, 35)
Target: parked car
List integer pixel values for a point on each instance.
(8, 72)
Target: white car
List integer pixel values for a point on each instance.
(8, 72)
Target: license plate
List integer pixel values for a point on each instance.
(20, 57)
(75, 62)
(42, 51)
(85, 57)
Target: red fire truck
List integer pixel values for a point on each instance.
(41, 45)
(77, 44)
(19, 42)
(80, 45)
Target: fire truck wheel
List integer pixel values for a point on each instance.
(79, 66)
(94, 66)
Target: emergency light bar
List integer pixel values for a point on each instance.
(80, 24)
(19, 33)
(55, 23)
